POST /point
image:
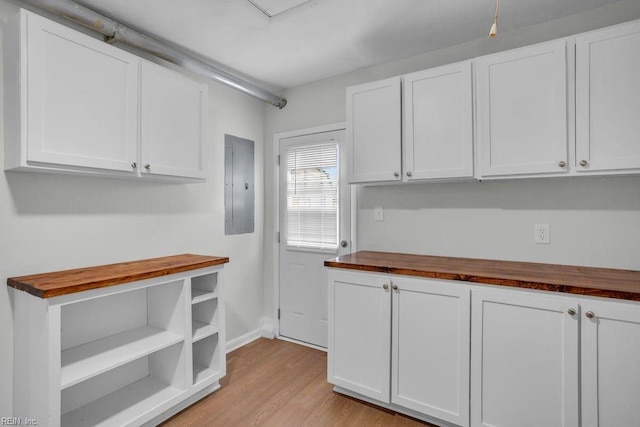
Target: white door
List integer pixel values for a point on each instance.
(524, 360)
(438, 123)
(522, 111)
(359, 356)
(82, 99)
(374, 131)
(173, 117)
(610, 366)
(315, 225)
(608, 99)
(430, 348)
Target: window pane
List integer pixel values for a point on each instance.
(312, 196)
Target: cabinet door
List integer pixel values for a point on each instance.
(430, 348)
(373, 131)
(360, 333)
(524, 360)
(438, 123)
(173, 123)
(608, 99)
(82, 98)
(610, 365)
(522, 111)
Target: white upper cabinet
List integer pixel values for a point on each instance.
(374, 132)
(522, 111)
(75, 104)
(438, 123)
(608, 99)
(76, 101)
(173, 117)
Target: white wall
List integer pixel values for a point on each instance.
(53, 222)
(594, 221)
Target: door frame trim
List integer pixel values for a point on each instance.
(276, 210)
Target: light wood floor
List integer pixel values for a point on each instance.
(277, 383)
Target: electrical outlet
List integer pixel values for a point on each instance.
(541, 235)
(378, 213)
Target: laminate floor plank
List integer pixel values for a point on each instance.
(276, 383)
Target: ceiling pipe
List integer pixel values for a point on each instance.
(117, 32)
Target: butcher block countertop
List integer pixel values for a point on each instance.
(598, 282)
(47, 285)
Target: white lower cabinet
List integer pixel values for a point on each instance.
(430, 348)
(610, 363)
(123, 355)
(416, 358)
(524, 359)
(465, 354)
(360, 333)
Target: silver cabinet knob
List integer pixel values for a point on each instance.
(583, 163)
(396, 174)
(147, 167)
(344, 244)
(590, 314)
(134, 165)
(385, 286)
(409, 174)
(571, 311)
(562, 163)
(394, 287)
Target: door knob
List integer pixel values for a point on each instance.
(344, 244)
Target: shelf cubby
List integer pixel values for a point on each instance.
(204, 287)
(129, 392)
(206, 359)
(103, 333)
(204, 320)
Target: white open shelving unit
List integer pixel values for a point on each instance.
(126, 355)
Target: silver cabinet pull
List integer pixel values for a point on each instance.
(571, 311)
(562, 163)
(409, 174)
(147, 167)
(396, 174)
(385, 286)
(134, 165)
(394, 287)
(590, 314)
(583, 163)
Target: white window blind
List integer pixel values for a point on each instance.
(312, 196)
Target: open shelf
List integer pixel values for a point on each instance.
(201, 373)
(204, 287)
(206, 359)
(124, 406)
(88, 360)
(202, 330)
(198, 295)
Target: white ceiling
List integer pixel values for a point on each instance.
(322, 38)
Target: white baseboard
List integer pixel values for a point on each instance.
(267, 329)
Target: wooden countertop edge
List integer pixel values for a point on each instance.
(111, 281)
(490, 280)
